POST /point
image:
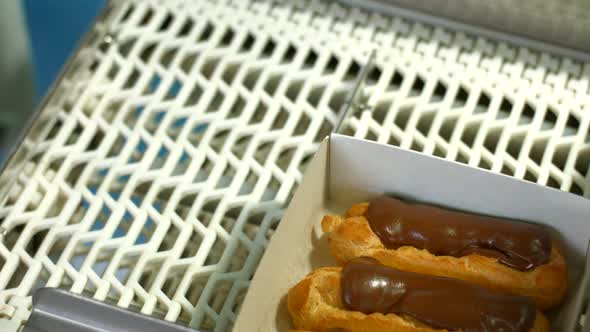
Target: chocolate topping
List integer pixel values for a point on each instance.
(520, 245)
(439, 302)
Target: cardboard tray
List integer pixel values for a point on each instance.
(347, 170)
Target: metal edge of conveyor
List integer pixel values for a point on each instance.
(355, 100)
(390, 9)
(58, 310)
(16, 165)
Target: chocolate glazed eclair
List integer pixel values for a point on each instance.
(370, 297)
(507, 256)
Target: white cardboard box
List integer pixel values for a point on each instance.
(347, 170)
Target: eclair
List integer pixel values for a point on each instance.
(367, 296)
(506, 256)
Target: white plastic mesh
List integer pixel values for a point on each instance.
(163, 161)
(494, 106)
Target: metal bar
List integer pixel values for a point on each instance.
(355, 99)
(57, 310)
(540, 43)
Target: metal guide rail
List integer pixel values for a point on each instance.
(161, 163)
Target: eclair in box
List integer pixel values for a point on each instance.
(365, 296)
(507, 256)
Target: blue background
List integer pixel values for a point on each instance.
(55, 27)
